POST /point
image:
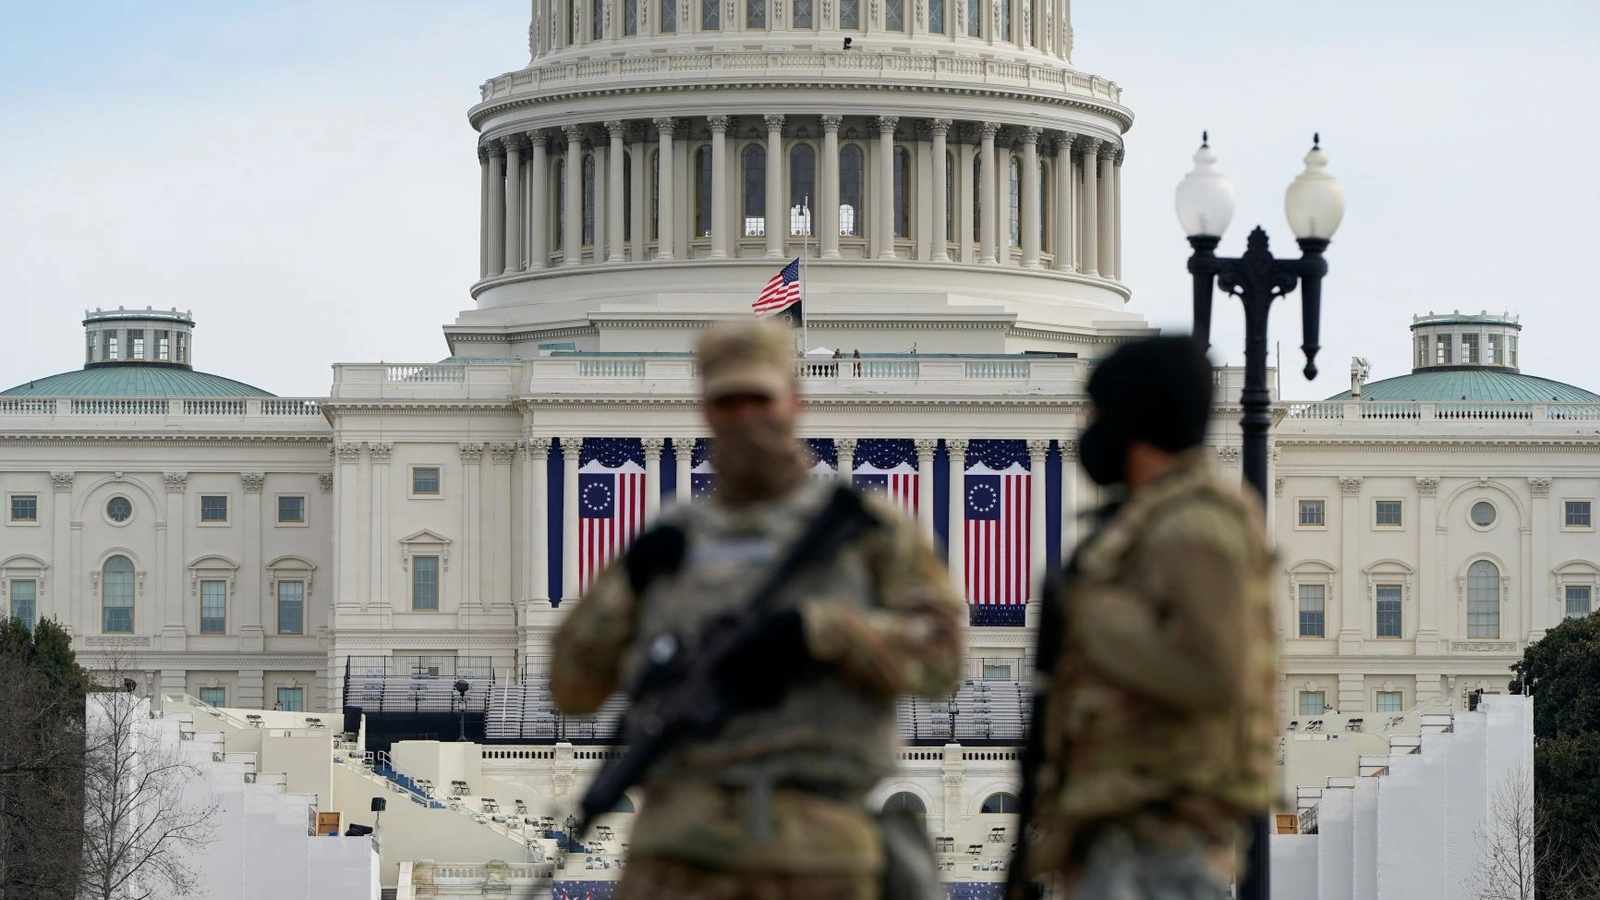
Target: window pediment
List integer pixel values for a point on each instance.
(212, 568)
(290, 568)
(425, 542)
(22, 566)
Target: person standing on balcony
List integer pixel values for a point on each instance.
(1152, 740)
(771, 804)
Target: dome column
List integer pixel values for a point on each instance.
(830, 186)
(497, 208)
(1116, 214)
(776, 226)
(1030, 198)
(513, 237)
(719, 186)
(667, 215)
(614, 198)
(941, 243)
(484, 185)
(1108, 211)
(638, 140)
(1066, 230)
(986, 193)
(572, 226)
(1089, 261)
(538, 204)
(886, 209)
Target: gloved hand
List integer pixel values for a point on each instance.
(757, 674)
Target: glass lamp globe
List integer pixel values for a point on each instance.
(1314, 201)
(1205, 196)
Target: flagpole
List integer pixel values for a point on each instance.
(805, 253)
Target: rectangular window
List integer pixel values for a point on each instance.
(291, 607)
(1511, 350)
(1388, 596)
(669, 16)
(1492, 353)
(1391, 702)
(710, 15)
(1311, 514)
(291, 510)
(1422, 351)
(183, 348)
(25, 507)
(1579, 598)
(111, 345)
(1388, 513)
(996, 672)
(136, 343)
(425, 582)
(425, 480)
(597, 20)
(1577, 514)
(291, 699)
(24, 601)
(1313, 703)
(630, 18)
(1442, 350)
(936, 17)
(214, 508)
(214, 696)
(1313, 603)
(163, 346)
(895, 14)
(755, 14)
(89, 351)
(1469, 349)
(213, 607)
(1005, 20)
(850, 14)
(974, 18)
(802, 13)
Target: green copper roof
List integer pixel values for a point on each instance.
(1472, 384)
(134, 380)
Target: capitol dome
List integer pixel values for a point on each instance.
(133, 353)
(951, 181)
(1469, 357)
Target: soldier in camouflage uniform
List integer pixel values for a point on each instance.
(1158, 734)
(773, 804)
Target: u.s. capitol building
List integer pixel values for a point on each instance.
(953, 184)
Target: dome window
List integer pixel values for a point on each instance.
(1483, 514)
(119, 509)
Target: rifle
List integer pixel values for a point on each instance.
(692, 702)
(1052, 629)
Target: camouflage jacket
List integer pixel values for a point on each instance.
(881, 611)
(1160, 709)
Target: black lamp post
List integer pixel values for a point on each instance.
(461, 688)
(1315, 204)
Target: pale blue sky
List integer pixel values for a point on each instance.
(302, 176)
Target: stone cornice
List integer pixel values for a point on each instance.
(1477, 442)
(869, 402)
(37, 438)
(421, 407)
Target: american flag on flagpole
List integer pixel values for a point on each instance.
(782, 290)
(611, 497)
(889, 467)
(997, 506)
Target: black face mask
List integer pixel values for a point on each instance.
(1103, 452)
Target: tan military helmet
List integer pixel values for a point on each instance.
(747, 358)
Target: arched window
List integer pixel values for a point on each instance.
(702, 192)
(755, 14)
(1001, 802)
(755, 190)
(623, 806)
(597, 19)
(902, 196)
(1014, 233)
(669, 16)
(802, 188)
(561, 204)
(850, 190)
(655, 195)
(116, 596)
(627, 196)
(1483, 600)
(630, 18)
(977, 196)
(588, 199)
(949, 196)
(905, 801)
(974, 18)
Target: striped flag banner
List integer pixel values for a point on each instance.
(888, 466)
(997, 512)
(611, 497)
